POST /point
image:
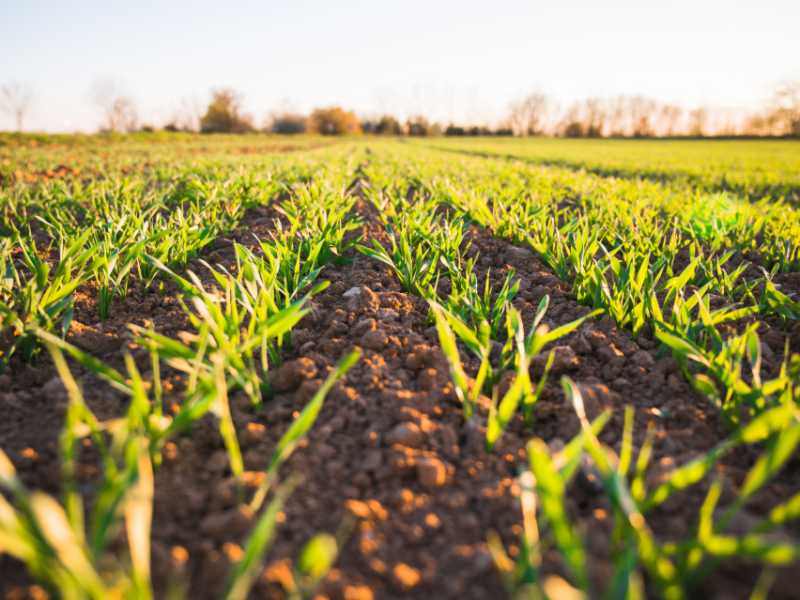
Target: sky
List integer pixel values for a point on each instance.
(459, 61)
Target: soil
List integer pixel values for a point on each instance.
(390, 445)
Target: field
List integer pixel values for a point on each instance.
(356, 368)
(754, 168)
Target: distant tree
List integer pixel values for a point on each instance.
(641, 115)
(16, 99)
(288, 123)
(595, 117)
(419, 126)
(574, 130)
(118, 108)
(453, 130)
(668, 117)
(224, 114)
(762, 124)
(333, 121)
(786, 105)
(187, 117)
(388, 125)
(698, 118)
(617, 116)
(526, 115)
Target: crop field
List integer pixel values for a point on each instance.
(361, 368)
(754, 168)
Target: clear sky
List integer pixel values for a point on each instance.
(458, 60)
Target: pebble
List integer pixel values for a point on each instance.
(353, 291)
(404, 578)
(291, 374)
(642, 358)
(54, 390)
(431, 473)
(565, 360)
(228, 524)
(406, 434)
(375, 340)
(518, 257)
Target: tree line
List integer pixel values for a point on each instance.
(533, 114)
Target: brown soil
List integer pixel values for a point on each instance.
(390, 444)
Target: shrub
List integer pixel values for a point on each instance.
(388, 125)
(289, 124)
(419, 126)
(454, 130)
(224, 114)
(333, 121)
(574, 129)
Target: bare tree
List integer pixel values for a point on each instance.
(526, 115)
(118, 108)
(762, 124)
(698, 119)
(189, 114)
(668, 117)
(641, 113)
(595, 117)
(786, 103)
(617, 116)
(16, 100)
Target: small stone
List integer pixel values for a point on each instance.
(431, 473)
(372, 461)
(363, 326)
(674, 383)
(642, 358)
(405, 578)
(667, 365)
(654, 380)
(482, 561)
(596, 338)
(375, 340)
(54, 390)
(611, 355)
(253, 433)
(353, 291)
(565, 360)
(556, 445)
(426, 380)
(413, 362)
(774, 339)
(645, 344)
(581, 345)
(597, 398)
(306, 392)
(607, 324)
(588, 478)
(371, 439)
(365, 301)
(620, 384)
(506, 381)
(406, 434)
(306, 348)
(291, 374)
(518, 257)
(231, 523)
